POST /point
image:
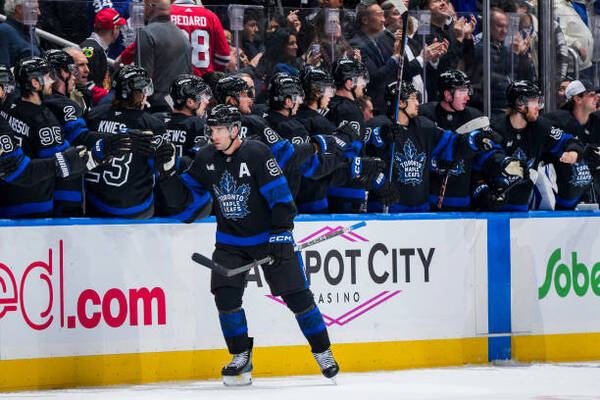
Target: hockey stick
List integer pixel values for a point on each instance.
(229, 272)
(399, 4)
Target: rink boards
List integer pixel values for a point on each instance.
(100, 302)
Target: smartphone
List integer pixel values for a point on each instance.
(316, 48)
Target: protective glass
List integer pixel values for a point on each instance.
(327, 91)
(148, 90)
(533, 102)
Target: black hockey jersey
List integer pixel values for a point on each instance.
(124, 186)
(183, 131)
(458, 186)
(250, 192)
(314, 121)
(415, 146)
(38, 133)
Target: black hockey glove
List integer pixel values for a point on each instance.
(72, 162)
(368, 170)
(481, 140)
(166, 159)
(280, 246)
(387, 194)
(591, 154)
(111, 146)
(350, 132)
(324, 143)
(142, 143)
(512, 167)
(9, 164)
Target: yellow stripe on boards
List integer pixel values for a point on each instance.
(60, 372)
(556, 348)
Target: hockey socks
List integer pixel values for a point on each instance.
(235, 330)
(313, 327)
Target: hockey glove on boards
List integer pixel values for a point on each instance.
(280, 246)
(9, 164)
(142, 143)
(324, 143)
(512, 167)
(111, 146)
(480, 140)
(367, 169)
(166, 159)
(72, 162)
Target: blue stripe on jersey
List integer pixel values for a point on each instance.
(282, 151)
(449, 149)
(566, 203)
(313, 206)
(73, 129)
(26, 208)
(558, 149)
(450, 201)
(68, 195)
(198, 202)
(22, 165)
(481, 158)
(50, 151)
(232, 240)
(310, 166)
(105, 208)
(334, 191)
(441, 144)
(276, 191)
(192, 184)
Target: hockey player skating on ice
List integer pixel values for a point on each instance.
(255, 213)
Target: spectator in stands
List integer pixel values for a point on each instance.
(107, 27)
(561, 87)
(501, 67)
(281, 55)
(414, 59)
(251, 43)
(458, 36)
(574, 23)
(165, 51)
(341, 47)
(370, 19)
(14, 35)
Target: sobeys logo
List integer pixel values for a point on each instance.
(579, 277)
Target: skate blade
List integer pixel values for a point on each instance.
(243, 379)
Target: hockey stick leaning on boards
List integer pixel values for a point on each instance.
(229, 272)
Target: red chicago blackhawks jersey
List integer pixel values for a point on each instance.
(210, 50)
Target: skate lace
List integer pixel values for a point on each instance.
(325, 359)
(239, 360)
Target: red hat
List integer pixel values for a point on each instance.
(107, 18)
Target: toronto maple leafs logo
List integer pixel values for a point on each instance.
(410, 165)
(581, 175)
(232, 199)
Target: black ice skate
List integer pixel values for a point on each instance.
(329, 367)
(239, 371)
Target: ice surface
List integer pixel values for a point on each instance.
(570, 381)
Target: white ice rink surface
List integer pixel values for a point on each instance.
(574, 381)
